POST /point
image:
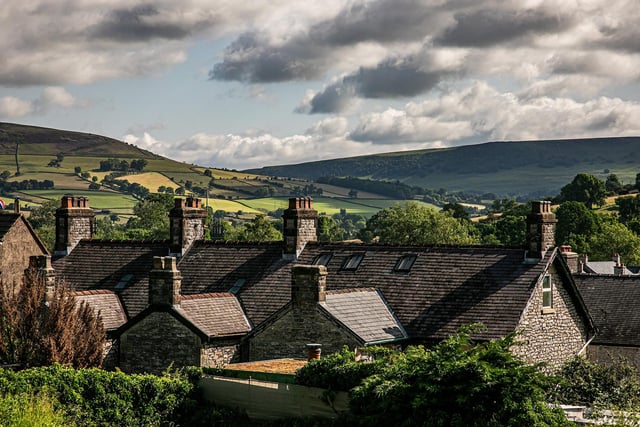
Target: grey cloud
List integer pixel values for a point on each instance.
(484, 28)
(390, 79)
(138, 24)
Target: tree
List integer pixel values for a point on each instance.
(328, 230)
(576, 224)
(260, 229)
(138, 165)
(152, 220)
(458, 383)
(612, 238)
(457, 210)
(584, 188)
(613, 184)
(413, 223)
(77, 170)
(43, 221)
(628, 208)
(37, 330)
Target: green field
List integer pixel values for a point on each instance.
(97, 199)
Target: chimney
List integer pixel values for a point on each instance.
(186, 224)
(618, 268)
(300, 226)
(308, 285)
(41, 266)
(541, 228)
(75, 221)
(16, 205)
(165, 282)
(571, 258)
(314, 351)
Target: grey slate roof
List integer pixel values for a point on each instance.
(607, 267)
(614, 305)
(107, 304)
(447, 287)
(215, 314)
(261, 278)
(119, 266)
(365, 313)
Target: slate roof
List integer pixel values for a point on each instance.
(445, 288)
(256, 272)
(614, 305)
(215, 314)
(119, 266)
(365, 313)
(607, 267)
(107, 304)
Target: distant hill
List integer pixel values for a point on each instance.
(534, 168)
(41, 141)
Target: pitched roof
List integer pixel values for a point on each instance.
(365, 313)
(614, 305)
(445, 288)
(119, 266)
(255, 272)
(215, 314)
(107, 304)
(607, 267)
(7, 220)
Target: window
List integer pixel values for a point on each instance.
(237, 286)
(405, 263)
(124, 281)
(547, 292)
(322, 259)
(353, 262)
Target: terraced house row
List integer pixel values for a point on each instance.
(189, 301)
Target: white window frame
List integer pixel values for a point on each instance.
(547, 292)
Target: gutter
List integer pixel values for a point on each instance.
(586, 344)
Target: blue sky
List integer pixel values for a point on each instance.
(224, 83)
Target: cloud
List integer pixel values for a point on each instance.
(12, 107)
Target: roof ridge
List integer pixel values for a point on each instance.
(91, 292)
(207, 295)
(350, 290)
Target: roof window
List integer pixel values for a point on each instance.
(405, 263)
(353, 262)
(322, 259)
(237, 286)
(124, 281)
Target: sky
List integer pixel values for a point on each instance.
(245, 84)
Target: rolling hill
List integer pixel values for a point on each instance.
(534, 168)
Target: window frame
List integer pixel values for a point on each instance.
(325, 256)
(401, 265)
(352, 263)
(547, 292)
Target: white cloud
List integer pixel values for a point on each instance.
(12, 107)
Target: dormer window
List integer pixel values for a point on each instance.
(405, 263)
(547, 292)
(322, 259)
(353, 262)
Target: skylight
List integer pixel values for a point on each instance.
(124, 281)
(405, 262)
(353, 262)
(237, 286)
(322, 259)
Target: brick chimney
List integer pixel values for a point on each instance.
(165, 282)
(186, 224)
(308, 285)
(75, 221)
(570, 257)
(541, 228)
(300, 226)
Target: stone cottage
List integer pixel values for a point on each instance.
(18, 243)
(244, 301)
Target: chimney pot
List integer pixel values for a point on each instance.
(314, 351)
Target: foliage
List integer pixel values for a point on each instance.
(412, 223)
(340, 370)
(35, 333)
(27, 184)
(576, 224)
(612, 184)
(458, 383)
(584, 188)
(93, 397)
(457, 210)
(628, 208)
(23, 410)
(600, 386)
(151, 220)
(259, 229)
(613, 238)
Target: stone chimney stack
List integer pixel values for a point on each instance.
(41, 266)
(300, 226)
(570, 257)
(308, 285)
(618, 268)
(541, 228)
(75, 221)
(186, 224)
(165, 282)
(16, 205)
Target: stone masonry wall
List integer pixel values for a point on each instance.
(551, 336)
(287, 337)
(110, 354)
(156, 342)
(79, 228)
(18, 245)
(219, 354)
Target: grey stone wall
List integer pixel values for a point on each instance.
(17, 246)
(287, 337)
(552, 335)
(156, 342)
(110, 353)
(219, 354)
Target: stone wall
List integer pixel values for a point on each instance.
(220, 353)
(288, 336)
(110, 354)
(156, 342)
(552, 335)
(611, 355)
(17, 246)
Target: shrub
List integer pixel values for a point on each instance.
(23, 410)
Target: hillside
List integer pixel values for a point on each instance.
(505, 168)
